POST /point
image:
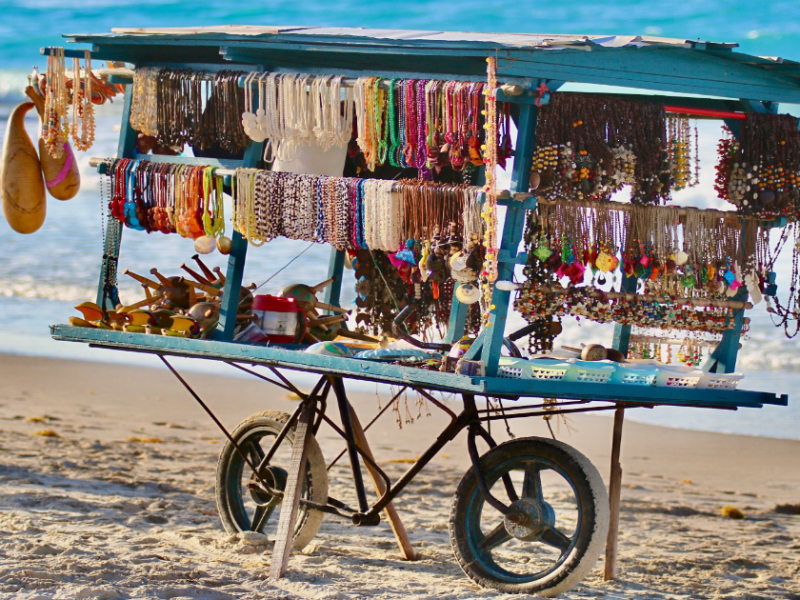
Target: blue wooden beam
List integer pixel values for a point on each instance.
(512, 235)
(333, 293)
(236, 261)
(622, 333)
(107, 294)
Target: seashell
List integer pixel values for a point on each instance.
(681, 258)
(535, 180)
(224, 245)
(458, 262)
(248, 118)
(205, 244)
(468, 293)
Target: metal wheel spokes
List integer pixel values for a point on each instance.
(260, 516)
(260, 506)
(542, 525)
(556, 539)
(498, 536)
(532, 483)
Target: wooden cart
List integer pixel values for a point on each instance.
(501, 502)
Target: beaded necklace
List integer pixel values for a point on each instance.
(489, 275)
(55, 123)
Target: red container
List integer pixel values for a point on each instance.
(281, 320)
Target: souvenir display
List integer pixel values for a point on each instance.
(396, 169)
(347, 212)
(56, 126)
(760, 172)
(174, 306)
(683, 149)
(294, 108)
(687, 265)
(591, 146)
(198, 108)
(169, 198)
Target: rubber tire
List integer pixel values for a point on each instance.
(594, 517)
(308, 521)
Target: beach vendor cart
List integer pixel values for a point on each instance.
(386, 144)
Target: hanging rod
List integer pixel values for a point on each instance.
(627, 206)
(222, 172)
(631, 297)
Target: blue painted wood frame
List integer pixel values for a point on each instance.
(108, 295)
(723, 358)
(512, 235)
(622, 333)
(333, 293)
(236, 260)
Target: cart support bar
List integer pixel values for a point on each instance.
(614, 491)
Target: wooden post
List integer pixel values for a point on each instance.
(396, 524)
(291, 498)
(614, 496)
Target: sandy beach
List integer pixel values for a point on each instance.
(107, 492)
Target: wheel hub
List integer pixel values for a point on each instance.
(273, 477)
(529, 518)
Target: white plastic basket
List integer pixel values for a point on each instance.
(639, 375)
(589, 372)
(720, 381)
(676, 376)
(540, 369)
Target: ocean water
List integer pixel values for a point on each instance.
(42, 276)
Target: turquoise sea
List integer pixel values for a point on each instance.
(43, 275)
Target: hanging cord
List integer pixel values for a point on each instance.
(550, 407)
(271, 277)
(505, 418)
(386, 283)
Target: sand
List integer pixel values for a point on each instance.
(116, 499)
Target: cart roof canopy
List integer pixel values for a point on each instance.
(644, 62)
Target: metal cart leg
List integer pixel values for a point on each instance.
(614, 491)
(291, 498)
(398, 528)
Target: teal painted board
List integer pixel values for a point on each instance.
(658, 69)
(260, 354)
(236, 261)
(333, 293)
(512, 235)
(233, 283)
(622, 333)
(386, 373)
(458, 319)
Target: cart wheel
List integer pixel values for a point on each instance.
(242, 508)
(557, 527)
